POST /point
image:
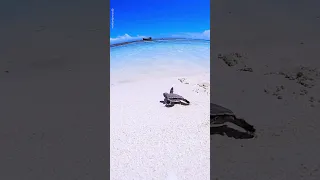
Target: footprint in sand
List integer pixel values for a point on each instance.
(183, 80)
(203, 87)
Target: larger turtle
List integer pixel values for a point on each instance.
(220, 115)
(170, 99)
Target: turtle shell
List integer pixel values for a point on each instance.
(173, 97)
(217, 110)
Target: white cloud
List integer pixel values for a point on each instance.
(125, 38)
(206, 34)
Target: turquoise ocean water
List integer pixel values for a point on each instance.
(161, 58)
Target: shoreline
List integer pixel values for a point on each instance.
(155, 39)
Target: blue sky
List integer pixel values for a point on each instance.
(158, 18)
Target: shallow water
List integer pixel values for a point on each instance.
(159, 59)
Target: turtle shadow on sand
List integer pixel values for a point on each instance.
(219, 116)
(171, 99)
(174, 103)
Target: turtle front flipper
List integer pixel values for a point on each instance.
(184, 102)
(243, 124)
(171, 90)
(230, 132)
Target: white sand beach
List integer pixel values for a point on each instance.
(151, 141)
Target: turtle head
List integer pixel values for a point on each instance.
(165, 95)
(171, 90)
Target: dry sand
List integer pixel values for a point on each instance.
(151, 141)
(275, 39)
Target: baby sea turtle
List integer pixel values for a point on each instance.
(170, 99)
(220, 115)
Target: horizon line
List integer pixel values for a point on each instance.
(156, 39)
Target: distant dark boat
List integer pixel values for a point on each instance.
(147, 39)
